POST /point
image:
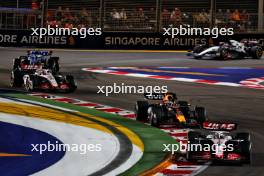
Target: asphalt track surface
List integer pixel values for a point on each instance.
(241, 105)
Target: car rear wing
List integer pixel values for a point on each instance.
(154, 96)
(219, 126)
(41, 52)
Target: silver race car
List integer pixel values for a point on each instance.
(229, 50)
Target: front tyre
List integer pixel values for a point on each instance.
(28, 83)
(256, 52)
(141, 110)
(223, 53)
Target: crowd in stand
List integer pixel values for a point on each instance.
(146, 18)
(240, 20)
(135, 18)
(69, 19)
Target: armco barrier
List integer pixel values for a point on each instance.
(115, 40)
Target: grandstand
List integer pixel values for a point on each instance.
(136, 15)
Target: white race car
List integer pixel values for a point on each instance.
(42, 79)
(229, 50)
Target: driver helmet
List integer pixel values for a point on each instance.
(169, 98)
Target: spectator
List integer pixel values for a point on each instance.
(235, 16)
(59, 13)
(235, 19)
(219, 17)
(142, 18)
(245, 19)
(203, 19)
(141, 14)
(67, 14)
(34, 5)
(151, 17)
(85, 17)
(165, 17)
(123, 17)
(227, 16)
(176, 17)
(115, 17)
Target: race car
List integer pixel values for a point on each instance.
(218, 143)
(229, 50)
(169, 111)
(37, 59)
(42, 79)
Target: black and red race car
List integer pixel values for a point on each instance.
(218, 143)
(169, 111)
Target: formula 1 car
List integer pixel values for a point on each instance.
(169, 111)
(229, 50)
(219, 144)
(42, 79)
(37, 59)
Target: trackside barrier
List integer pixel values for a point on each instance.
(112, 40)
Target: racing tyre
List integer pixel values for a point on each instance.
(15, 81)
(29, 83)
(192, 135)
(53, 64)
(245, 146)
(246, 151)
(191, 140)
(223, 53)
(184, 106)
(16, 63)
(71, 81)
(57, 66)
(200, 113)
(243, 136)
(141, 110)
(156, 115)
(197, 50)
(256, 52)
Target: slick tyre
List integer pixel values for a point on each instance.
(29, 84)
(200, 114)
(256, 52)
(141, 110)
(156, 116)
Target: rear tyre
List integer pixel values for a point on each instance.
(243, 136)
(16, 63)
(72, 83)
(223, 53)
(141, 110)
(156, 116)
(245, 146)
(57, 66)
(198, 49)
(15, 79)
(53, 64)
(29, 84)
(200, 114)
(256, 52)
(191, 140)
